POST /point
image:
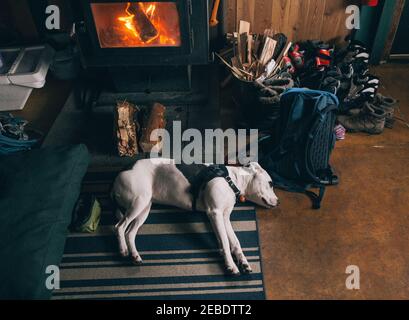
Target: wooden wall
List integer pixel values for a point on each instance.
(298, 19)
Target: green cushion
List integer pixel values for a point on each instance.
(38, 190)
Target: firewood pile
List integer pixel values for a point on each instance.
(255, 57)
(156, 120)
(127, 129)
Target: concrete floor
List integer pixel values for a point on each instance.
(364, 221)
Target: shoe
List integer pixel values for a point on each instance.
(355, 111)
(340, 132)
(332, 80)
(330, 84)
(370, 120)
(359, 95)
(86, 215)
(389, 105)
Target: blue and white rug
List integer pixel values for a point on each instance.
(180, 255)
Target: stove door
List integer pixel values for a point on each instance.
(137, 24)
(142, 25)
(160, 32)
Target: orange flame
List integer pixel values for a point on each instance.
(128, 23)
(150, 11)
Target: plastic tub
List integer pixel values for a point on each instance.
(22, 70)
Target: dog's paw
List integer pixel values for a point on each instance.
(233, 271)
(124, 253)
(245, 268)
(137, 260)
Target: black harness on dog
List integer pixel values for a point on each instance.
(199, 175)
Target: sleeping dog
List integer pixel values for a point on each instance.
(161, 181)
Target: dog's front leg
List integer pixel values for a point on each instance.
(235, 246)
(216, 219)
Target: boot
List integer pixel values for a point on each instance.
(389, 105)
(370, 120)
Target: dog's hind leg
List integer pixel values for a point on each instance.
(216, 219)
(133, 211)
(120, 232)
(133, 230)
(235, 246)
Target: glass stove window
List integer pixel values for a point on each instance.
(137, 24)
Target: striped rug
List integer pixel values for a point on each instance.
(180, 255)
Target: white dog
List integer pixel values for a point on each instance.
(161, 181)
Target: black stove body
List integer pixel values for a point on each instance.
(145, 52)
(151, 51)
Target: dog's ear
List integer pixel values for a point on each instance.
(254, 167)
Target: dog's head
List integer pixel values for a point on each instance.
(260, 188)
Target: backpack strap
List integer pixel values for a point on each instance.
(290, 186)
(316, 198)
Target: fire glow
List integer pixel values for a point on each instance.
(137, 24)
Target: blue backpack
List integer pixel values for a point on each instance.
(297, 154)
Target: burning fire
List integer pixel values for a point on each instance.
(158, 34)
(151, 10)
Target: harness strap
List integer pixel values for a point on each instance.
(236, 190)
(208, 174)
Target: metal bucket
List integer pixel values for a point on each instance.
(253, 113)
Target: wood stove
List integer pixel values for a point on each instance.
(133, 33)
(145, 52)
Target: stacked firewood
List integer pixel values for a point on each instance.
(127, 129)
(150, 140)
(255, 57)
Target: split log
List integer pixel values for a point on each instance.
(255, 57)
(143, 25)
(126, 129)
(155, 120)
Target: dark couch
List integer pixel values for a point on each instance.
(38, 190)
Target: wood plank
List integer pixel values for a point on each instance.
(280, 14)
(268, 51)
(316, 18)
(333, 27)
(231, 16)
(298, 19)
(294, 20)
(246, 10)
(263, 16)
(244, 27)
(244, 31)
